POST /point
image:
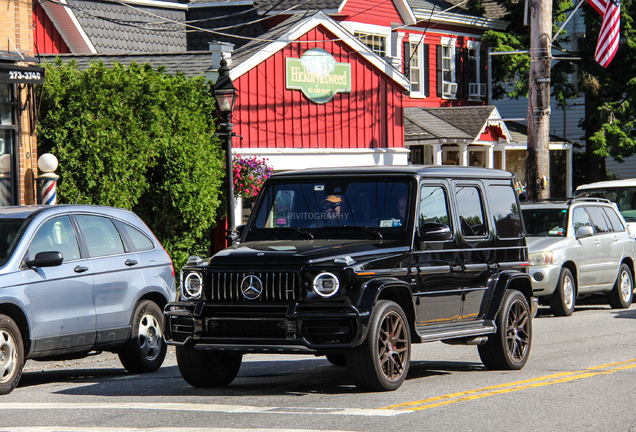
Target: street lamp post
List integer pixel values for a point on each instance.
(225, 94)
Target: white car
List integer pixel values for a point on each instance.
(621, 192)
(578, 247)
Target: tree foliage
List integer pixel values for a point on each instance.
(136, 138)
(610, 92)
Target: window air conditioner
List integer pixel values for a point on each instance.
(449, 89)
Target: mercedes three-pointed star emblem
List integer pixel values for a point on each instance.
(251, 287)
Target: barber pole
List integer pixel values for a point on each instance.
(49, 193)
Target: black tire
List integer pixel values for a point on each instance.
(208, 369)
(622, 295)
(382, 362)
(337, 359)
(146, 349)
(11, 355)
(564, 298)
(509, 348)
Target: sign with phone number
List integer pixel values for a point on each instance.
(19, 74)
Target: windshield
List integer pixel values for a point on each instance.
(550, 222)
(624, 197)
(361, 208)
(10, 232)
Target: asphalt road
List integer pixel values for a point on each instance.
(580, 377)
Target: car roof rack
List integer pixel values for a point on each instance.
(569, 200)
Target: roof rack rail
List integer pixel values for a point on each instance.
(569, 200)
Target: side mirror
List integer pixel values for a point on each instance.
(584, 231)
(237, 233)
(45, 259)
(435, 231)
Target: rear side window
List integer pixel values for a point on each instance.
(505, 211)
(135, 240)
(598, 219)
(617, 225)
(471, 213)
(102, 239)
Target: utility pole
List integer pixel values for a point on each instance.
(538, 162)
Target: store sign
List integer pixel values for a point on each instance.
(10, 73)
(317, 74)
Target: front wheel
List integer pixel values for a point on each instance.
(207, 369)
(509, 348)
(622, 294)
(145, 350)
(11, 355)
(382, 362)
(564, 298)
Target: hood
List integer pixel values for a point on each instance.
(538, 244)
(296, 253)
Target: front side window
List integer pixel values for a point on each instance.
(505, 211)
(101, 236)
(471, 213)
(311, 208)
(55, 235)
(580, 218)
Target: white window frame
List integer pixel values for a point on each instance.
(449, 87)
(415, 40)
(372, 30)
(476, 90)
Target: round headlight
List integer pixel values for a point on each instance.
(192, 286)
(326, 284)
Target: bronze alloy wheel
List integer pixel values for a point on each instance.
(509, 348)
(392, 346)
(517, 330)
(383, 361)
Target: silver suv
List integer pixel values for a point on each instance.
(76, 279)
(577, 247)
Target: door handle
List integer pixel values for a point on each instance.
(492, 266)
(80, 269)
(130, 262)
(457, 268)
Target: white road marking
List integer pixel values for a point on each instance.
(240, 409)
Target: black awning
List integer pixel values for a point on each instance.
(11, 73)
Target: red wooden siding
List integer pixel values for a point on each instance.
(270, 116)
(381, 12)
(46, 38)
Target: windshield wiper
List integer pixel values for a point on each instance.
(375, 234)
(306, 234)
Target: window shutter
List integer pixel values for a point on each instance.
(466, 75)
(483, 72)
(407, 59)
(439, 70)
(427, 82)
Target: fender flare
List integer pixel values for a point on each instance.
(501, 283)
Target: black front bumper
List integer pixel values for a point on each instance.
(276, 327)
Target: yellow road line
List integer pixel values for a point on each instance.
(557, 378)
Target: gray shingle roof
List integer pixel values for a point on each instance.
(419, 124)
(470, 119)
(113, 27)
(491, 9)
(191, 64)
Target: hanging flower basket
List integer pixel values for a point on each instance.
(249, 174)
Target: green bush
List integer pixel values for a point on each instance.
(140, 139)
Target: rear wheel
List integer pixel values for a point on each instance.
(207, 369)
(382, 362)
(145, 350)
(564, 298)
(622, 294)
(11, 355)
(509, 348)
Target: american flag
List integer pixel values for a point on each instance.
(608, 38)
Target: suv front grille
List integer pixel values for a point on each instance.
(277, 286)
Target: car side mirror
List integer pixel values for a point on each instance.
(435, 231)
(584, 231)
(45, 259)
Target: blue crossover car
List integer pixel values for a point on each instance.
(76, 279)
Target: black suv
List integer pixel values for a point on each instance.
(356, 264)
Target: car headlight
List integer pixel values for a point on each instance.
(192, 286)
(326, 284)
(541, 258)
